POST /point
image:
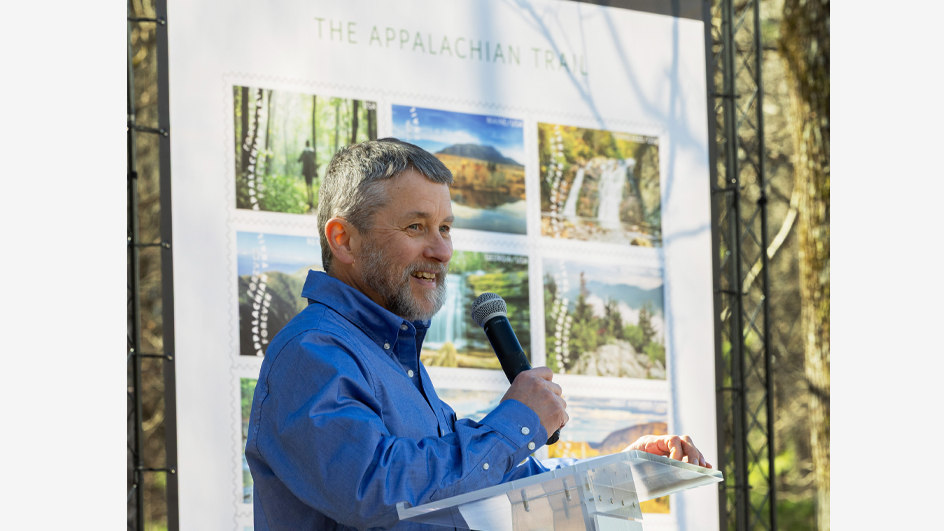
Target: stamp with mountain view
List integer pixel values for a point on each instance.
(486, 157)
(603, 320)
(272, 269)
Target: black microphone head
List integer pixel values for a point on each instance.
(486, 306)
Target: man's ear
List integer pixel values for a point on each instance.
(343, 239)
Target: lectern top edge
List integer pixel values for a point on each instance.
(405, 511)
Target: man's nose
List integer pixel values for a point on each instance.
(439, 248)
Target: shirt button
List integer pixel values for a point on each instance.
(525, 430)
(403, 327)
(530, 446)
(410, 373)
(386, 346)
(485, 466)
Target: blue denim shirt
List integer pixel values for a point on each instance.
(345, 422)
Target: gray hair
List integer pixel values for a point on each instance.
(353, 189)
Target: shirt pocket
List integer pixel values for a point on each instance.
(449, 426)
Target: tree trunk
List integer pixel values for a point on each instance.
(337, 123)
(354, 123)
(244, 131)
(372, 121)
(314, 129)
(268, 132)
(804, 45)
(253, 137)
(634, 181)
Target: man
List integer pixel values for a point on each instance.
(309, 169)
(345, 422)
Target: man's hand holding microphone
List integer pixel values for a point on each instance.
(535, 389)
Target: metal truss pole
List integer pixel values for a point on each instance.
(135, 489)
(137, 465)
(739, 217)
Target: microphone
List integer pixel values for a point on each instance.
(490, 312)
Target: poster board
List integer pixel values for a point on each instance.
(578, 137)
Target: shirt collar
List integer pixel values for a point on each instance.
(376, 322)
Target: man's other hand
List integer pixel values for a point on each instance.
(535, 389)
(680, 448)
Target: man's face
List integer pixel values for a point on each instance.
(404, 258)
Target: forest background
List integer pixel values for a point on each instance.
(795, 71)
(271, 128)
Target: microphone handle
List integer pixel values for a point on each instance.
(510, 354)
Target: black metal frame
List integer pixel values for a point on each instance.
(737, 163)
(138, 466)
(734, 55)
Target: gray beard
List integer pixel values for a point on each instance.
(395, 289)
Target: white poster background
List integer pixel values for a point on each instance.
(627, 71)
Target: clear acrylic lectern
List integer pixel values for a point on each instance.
(598, 494)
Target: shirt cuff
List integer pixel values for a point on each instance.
(518, 423)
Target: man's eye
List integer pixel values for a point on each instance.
(415, 226)
(445, 228)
